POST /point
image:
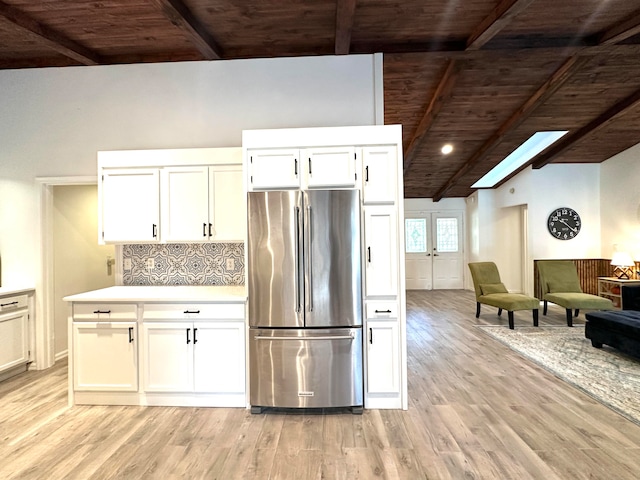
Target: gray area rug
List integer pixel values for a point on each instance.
(607, 375)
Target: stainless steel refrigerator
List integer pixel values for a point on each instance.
(305, 299)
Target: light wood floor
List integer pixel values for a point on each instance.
(476, 411)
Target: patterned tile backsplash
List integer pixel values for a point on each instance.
(184, 264)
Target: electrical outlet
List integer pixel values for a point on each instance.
(231, 264)
(127, 264)
(150, 263)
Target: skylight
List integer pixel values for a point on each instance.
(521, 155)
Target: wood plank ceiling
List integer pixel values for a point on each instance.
(482, 75)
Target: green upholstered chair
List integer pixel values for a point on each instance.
(490, 291)
(560, 284)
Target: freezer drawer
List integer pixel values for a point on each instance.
(306, 368)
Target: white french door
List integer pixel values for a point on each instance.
(433, 250)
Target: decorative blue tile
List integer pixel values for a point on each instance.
(185, 264)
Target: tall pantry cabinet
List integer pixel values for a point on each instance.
(369, 159)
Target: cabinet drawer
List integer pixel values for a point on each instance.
(13, 303)
(382, 310)
(104, 311)
(193, 311)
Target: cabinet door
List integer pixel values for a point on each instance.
(219, 357)
(379, 174)
(168, 357)
(13, 339)
(130, 205)
(330, 167)
(383, 356)
(105, 356)
(185, 204)
(228, 204)
(381, 255)
(273, 169)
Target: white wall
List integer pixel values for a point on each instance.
(492, 217)
(52, 121)
(620, 203)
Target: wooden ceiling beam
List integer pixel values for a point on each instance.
(52, 38)
(441, 95)
(345, 15)
(497, 19)
(615, 112)
(180, 16)
(548, 88)
(621, 31)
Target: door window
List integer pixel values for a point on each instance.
(447, 235)
(416, 235)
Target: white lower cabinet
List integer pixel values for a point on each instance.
(105, 356)
(383, 355)
(13, 339)
(185, 354)
(203, 357)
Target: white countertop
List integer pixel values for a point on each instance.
(168, 293)
(4, 291)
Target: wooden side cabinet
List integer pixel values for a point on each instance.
(611, 288)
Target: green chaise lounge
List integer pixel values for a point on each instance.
(490, 291)
(560, 285)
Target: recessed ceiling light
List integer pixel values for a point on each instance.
(447, 149)
(521, 155)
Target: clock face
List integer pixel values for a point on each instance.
(564, 223)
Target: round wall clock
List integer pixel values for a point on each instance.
(564, 223)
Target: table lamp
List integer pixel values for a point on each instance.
(623, 264)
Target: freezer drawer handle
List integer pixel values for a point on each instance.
(323, 337)
(10, 304)
(102, 311)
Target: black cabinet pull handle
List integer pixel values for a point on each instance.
(369, 254)
(371, 336)
(204, 229)
(8, 304)
(154, 230)
(130, 334)
(102, 311)
(191, 311)
(309, 165)
(366, 173)
(295, 167)
(195, 340)
(210, 226)
(383, 311)
(188, 338)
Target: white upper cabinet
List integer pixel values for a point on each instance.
(381, 266)
(201, 204)
(274, 169)
(153, 196)
(227, 204)
(330, 167)
(379, 174)
(130, 201)
(185, 204)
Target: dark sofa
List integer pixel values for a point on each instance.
(619, 329)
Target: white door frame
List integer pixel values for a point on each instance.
(44, 355)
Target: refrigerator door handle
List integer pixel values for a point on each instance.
(309, 256)
(318, 337)
(296, 212)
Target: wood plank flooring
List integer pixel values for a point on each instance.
(477, 410)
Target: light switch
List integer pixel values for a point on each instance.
(127, 264)
(231, 264)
